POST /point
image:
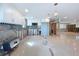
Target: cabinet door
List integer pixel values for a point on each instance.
(54, 28)
(71, 28)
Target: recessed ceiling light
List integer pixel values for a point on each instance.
(65, 17)
(55, 14)
(26, 10)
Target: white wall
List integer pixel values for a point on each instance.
(11, 15)
(31, 20)
(63, 26)
(1, 14)
(77, 25)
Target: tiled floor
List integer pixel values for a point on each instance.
(63, 44)
(31, 46)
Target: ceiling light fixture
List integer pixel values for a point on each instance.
(26, 10)
(55, 14)
(65, 17)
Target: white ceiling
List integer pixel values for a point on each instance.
(70, 11)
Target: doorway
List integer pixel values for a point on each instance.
(53, 27)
